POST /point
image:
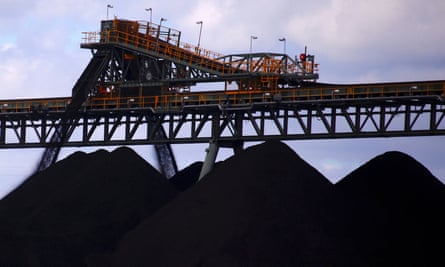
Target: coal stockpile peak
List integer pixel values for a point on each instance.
(393, 179)
(262, 207)
(392, 169)
(79, 207)
(393, 210)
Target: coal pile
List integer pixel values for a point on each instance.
(263, 207)
(394, 213)
(79, 207)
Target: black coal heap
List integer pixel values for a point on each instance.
(263, 207)
(394, 212)
(81, 206)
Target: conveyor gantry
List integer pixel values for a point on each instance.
(135, 91)
(152, 55)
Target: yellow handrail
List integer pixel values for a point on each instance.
(222, 97)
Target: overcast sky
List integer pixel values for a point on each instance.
(353, 41)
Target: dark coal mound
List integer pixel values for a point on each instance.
(187, 177)
(263, 207)
(79, 207)
(394, 213)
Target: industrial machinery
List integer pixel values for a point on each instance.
(141, 73)
(148, 59)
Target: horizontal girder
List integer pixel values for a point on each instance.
(257, 122)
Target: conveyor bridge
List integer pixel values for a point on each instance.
(336, 111)
(136, 90)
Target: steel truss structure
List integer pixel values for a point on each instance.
(135, 90)
(132, 58)
(358, 118)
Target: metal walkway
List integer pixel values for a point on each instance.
(310, 119)
(136, 90)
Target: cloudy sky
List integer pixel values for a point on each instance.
(353, 41)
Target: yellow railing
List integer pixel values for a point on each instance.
(165, 41)
(206, 60)
(36, 105)
(155, 38)
(233, 97)
(236, 97)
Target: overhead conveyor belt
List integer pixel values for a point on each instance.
(80, 94)
(174, 102)
(88, 79)
(164, 43)
(139, 80)
(158, 42)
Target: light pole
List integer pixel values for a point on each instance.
(284, 41)
(108, 7)
(249, 62)
(200, 31)
(160, 26)
(159, 31)
(251, 39)
(160, 23)
(150, 11)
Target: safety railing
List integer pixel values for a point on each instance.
(182, 53)
(159, 39)
(245, 97)
(174, 101)
(34, 105)
(166, 42)
(366, 91)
